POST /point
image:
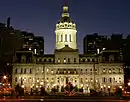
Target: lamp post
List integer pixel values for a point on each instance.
(96, 62)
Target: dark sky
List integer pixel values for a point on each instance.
(40, 16)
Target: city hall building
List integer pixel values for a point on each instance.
(89, 71)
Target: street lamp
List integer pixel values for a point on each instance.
(128, 83)
(5, 77)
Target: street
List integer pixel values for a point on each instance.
(68, 99)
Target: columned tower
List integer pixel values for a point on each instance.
(66, 31)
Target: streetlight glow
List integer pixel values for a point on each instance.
(128, 83)
(4, 77)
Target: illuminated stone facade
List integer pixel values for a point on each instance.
(66, 65)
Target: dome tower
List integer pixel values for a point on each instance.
(65, 31)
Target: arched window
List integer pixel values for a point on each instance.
(65, 37)
(70, 37)
(61, 38)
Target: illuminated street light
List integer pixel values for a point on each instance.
(128, 83)
(22, 86)
(108, 86)
(4, 77)
(120, 87)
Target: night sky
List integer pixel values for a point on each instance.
(40, 16)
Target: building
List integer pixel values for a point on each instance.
(33, 43)
(92, 42)
(87, 71)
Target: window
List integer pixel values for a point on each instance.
(65, 37)
(110, 80)
(114, 79)
(52, 71)
(93, 60)
(83, 60)
(58, 80)
(64, 60)
(88, 60)
(16, 70)
(25, 71)
(74, 60)
(104, 70)
(104, 80)
(113, 71)
(15, 79)
(45, 60)
(68, 59)
(49, 60)
(30, 71)
(110, 71)
(70, 37)
(58, 60)
(40, 60)
(21, 70)
(81, 80)
(61, 38)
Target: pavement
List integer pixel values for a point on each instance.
(63, 99)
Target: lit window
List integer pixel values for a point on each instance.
(47, 70)
(86, 80)
(64, 60)
(30, 48)
(58, 60)
(104, 70)
(47, 79)
(64, 71)
(110, 71)
(69, 72)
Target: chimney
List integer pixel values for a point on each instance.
(8, 22)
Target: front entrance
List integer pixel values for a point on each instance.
(63, 80)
